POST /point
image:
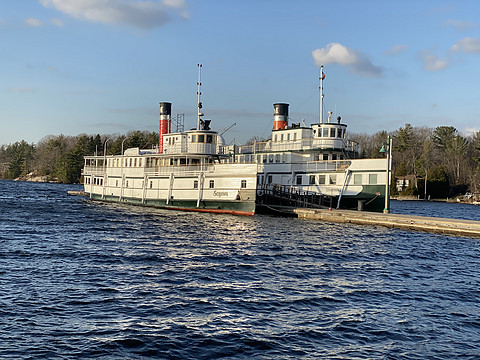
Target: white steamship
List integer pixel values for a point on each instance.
(194, 170)
(190, 170)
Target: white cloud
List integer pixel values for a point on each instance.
(353, 59)
(468, 45)
(431, 62)
(141, 14)
(33, 22)
(459, 25)
(396, 50)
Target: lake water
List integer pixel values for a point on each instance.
(84, 280)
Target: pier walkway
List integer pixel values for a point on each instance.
(410, 222)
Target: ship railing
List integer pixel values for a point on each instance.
(187, 170)
(155, 170)
(293, 196)
(94, 170)
(319, 166)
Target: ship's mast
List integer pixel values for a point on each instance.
(322, 76)
(199, 84)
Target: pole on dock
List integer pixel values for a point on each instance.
(387, 147)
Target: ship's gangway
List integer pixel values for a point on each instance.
(275, 196)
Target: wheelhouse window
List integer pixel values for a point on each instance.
(201, 138)
(322, 179)
(209, 139)
(333, 179)
(325, 157)
(372, 179)
(325, 132)
(333, 132)
(311, 180)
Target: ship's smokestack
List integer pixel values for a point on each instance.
(280, 116)
(165, 123)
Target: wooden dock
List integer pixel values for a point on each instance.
(409, 222)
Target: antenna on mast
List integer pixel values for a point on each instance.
(199, 84)
(322, 77)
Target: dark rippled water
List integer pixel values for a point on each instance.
(82, 280)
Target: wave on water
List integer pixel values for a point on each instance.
(90, 280)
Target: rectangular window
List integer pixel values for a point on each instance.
(195, 184)
(294, 136)
(130, 162)
(116, 183)
(194, 138)
(357, 179)
(275, 138)
(372, 179)
(269, 179)
(333, 179)
(151, 184)
(139, 162)
(288, 136)
(277, 158)
(135, 162)
(325, 157)
(325, 132)
(332, 132)
(211, 184)
(126, 185)
(281, 137)
(322, 179)
(201, 138)
(243, 184)
(339, 134)
(312, 180)
(209, 139)
(334, 156)
(299, 179)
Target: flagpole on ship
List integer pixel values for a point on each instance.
(322, 77)
(199, 85)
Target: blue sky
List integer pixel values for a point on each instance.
(102, 66)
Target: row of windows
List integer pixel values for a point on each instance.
(201, 138)
(331, 133)
(96, 181)
(211, 184)
(283, 137)
(138, 162)
(332, 179)
(281, 158)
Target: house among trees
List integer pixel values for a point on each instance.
(404, 182)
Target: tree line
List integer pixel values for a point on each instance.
(60, 158)
(441, 159)
(443, 162)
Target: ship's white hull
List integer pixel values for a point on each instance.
(219, 188)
